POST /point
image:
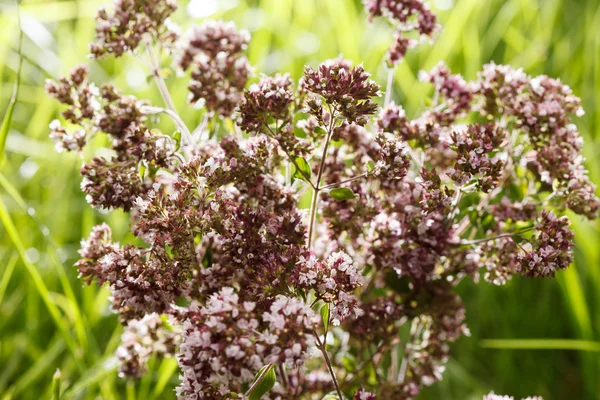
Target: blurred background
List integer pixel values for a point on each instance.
(528, 337)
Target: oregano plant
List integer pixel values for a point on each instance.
(306, 239)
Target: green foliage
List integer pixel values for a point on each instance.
(265, 380)
(342, 194)
(50, 320)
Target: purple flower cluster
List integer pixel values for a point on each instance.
(410, 17)
(144, 338)
(475, 148)
(312, 231)
(225, 343)
(550, 247)
(121, 29)
(347, 90)
(214, 53)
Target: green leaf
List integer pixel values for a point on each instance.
(320, 131)
(7, 121)
(325, 316)
(342, 194)
(177, 138)
(267, 381)
(304, 173)
(370, 166)
(400, 285)
(299, 132)
(349, 362)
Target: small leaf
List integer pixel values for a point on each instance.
(299, 132)
(267, 381)
(325, 316)
(142, 171)
(342, 194)
(370, 166)
(320, 131)
(305, 172)
(400, 285)
(516, 238)
(177, 138)
(349, 362)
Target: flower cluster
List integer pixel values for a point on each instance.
(214, 53)
(347, 90)
(475, 148)
(333, 281)
(393, 161)
(269, 98)
(142, 339)
(551, 247)
(410, 17)
(452, 93)
(226, 342)
(121, 30)
(315, 202)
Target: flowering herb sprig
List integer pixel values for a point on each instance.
(254, 295)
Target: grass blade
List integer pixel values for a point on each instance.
(540, 344)
(7, 121)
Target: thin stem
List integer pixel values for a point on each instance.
(289, 156)
(284, 377)
(504, 235)
(259, 379)
(332, 185)
(175, 117)
(160, 83)
(389, 86)
(200, 128)
(317, 188)
(311, 218)
(322, 347)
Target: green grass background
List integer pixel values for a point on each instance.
(529, 337)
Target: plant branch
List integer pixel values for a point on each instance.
(336, 184)
(175, 117)
(483, 240)
(316, 187)
(322, 347)
(273, 135)
(160, 83)
(389, 86)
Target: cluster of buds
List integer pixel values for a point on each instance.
(121, 29)
(226, 342)
(346, 90)
(474, 149)
(413, 20)
(148, 337)
(231, 266)
(214, 53)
